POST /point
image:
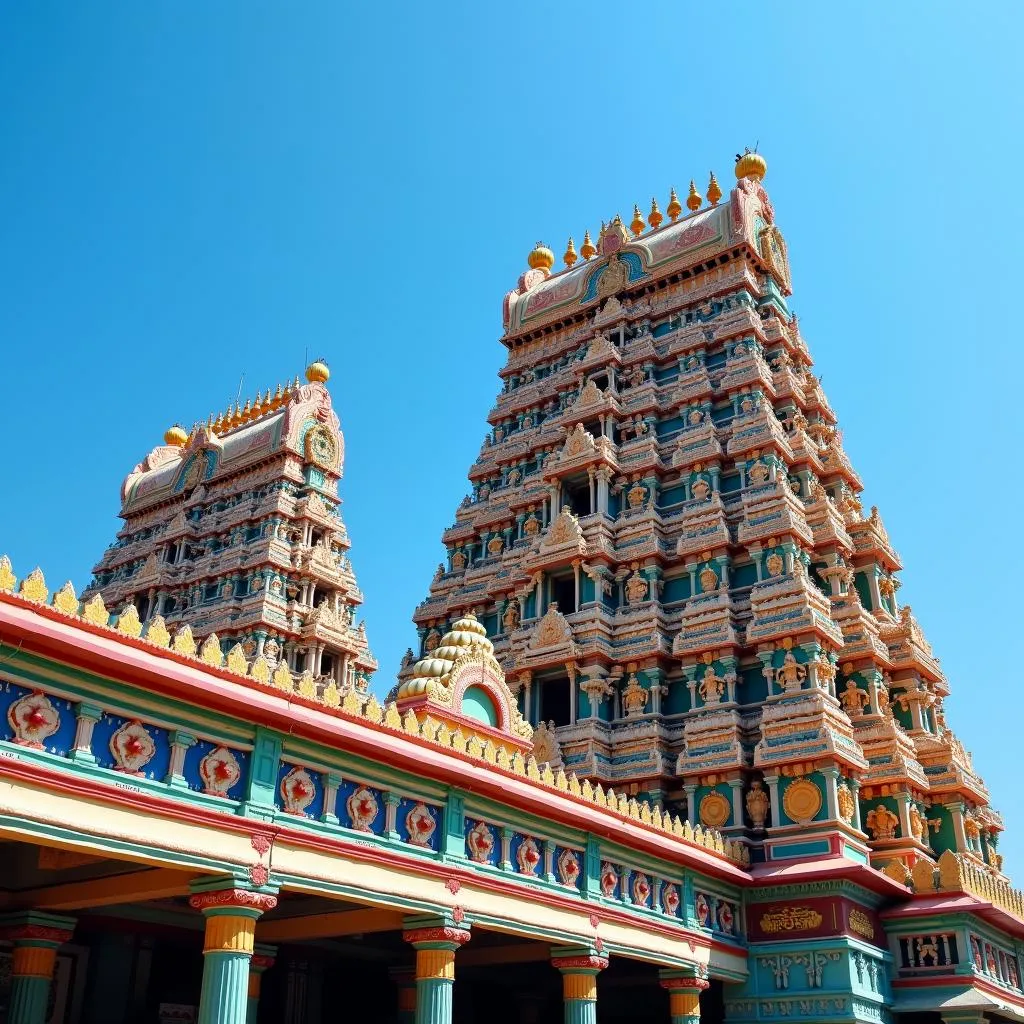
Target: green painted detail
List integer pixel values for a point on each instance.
(28, 1000)
(790, 851)
(453, 843)
(225, 993)
(478, 705)
(264, 766)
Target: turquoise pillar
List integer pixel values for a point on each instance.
(579, 985)
(435, 970)
(684, 989)
(262, 961)
(231, 916)
(36, 937)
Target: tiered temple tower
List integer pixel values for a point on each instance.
(666, 544)
(234, 528)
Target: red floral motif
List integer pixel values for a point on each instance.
(421, 825)
(33, 720)
(219, 771)
(458, 915)
(362, 809)
(670, 899)
(594, 920)
(685, 984)
(568, 963)
(702, 908)
(132, 748)
(599, 945)
(453, 885)
(36, 932)
(233, 898)
(725, 918)
(457, 936)
(609, 880)
(568, 867)
(297, 790)
(528, 856)
(261, 842)
(641, 888)
(480, 841)
(259, 875)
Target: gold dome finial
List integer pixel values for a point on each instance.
(176, 436)
(316, 373)
(693, 200)
(637, 224)
(750, 165)
(674, 207)
(655, 217)
(570, 256)
(541, 258)
(714, 190)
(587, 249)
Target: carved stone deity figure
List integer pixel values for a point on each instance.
(545, 745)
(711, 686)
(510, 620)
(634, 697)
(845, 802)
(757, 802)
(701, 489)
(790, 675)
(882, 822)
(854, 699)
(917, 826)
(636, 589)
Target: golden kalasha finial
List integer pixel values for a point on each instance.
(247, 411)
(750, 165)
(655, 217)
(541, 258)
(714, 191)
(674, 207)
(693, 200)
(570, 256)
(278, 396)
(587, 249)
(637, 224)
(218, 423)
(176, 436)
(316, 373)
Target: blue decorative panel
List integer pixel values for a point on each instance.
(299, 791)
(527, 855)
(155, 768)
(365, 812)
(564, 859)
(478, 835)
(195, 754)
(414, 813)
(54, 710)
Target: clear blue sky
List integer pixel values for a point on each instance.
(192, 191)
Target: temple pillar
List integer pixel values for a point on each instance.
(262, 961)
(405, 985)
(903, 805)
(435, 970)
(86, 715)
(36, 937)
(683, 995)
(579, 984)
(228, 947)
(773, 793)
(691, 803)
(855, 789)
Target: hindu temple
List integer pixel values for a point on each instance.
(668, 748)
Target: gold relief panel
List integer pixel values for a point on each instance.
(714, 810)
(802, 801)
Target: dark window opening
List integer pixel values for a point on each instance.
(554, 701)
(563, 592)
(577, 497)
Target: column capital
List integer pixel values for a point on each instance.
(588, 963)
(226, 901)
(37, 928)
(437, 937)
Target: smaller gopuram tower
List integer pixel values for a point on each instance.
(234, 528)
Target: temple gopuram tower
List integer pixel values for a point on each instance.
(665, 542)
(234, 529)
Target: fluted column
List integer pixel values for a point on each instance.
(36, 937)
(231, 916)
(262, 961)
(683, 995)
(579, 985)
(435, 970)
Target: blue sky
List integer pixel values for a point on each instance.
(193, 191)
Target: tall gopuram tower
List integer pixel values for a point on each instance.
(666, 544)
(234, 529)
